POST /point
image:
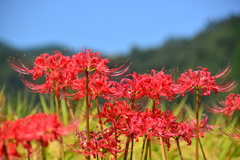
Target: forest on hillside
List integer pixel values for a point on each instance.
(215, 47)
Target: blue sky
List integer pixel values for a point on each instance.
(109, 26)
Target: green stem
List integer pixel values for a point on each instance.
(197, 120)
(87, 110)
(164, 157)
(62, 148)
(143, 146)
(146, 150)
(131, 155)
(57, 112)
(43, 151)
(179, 149)
(28, 151)
(5, 152)
(70, 109)
(116, 137)
(56, 104)
(126, 148)
(202, 150)
(150, 150)
(132, 101)
(98, 109)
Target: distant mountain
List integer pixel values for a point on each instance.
(215, 47)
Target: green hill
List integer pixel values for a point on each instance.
(215, 47)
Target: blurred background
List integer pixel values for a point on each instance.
(176, 34)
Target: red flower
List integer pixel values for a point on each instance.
(55, 69)
(88, 61)
(154, 85)
(58, 72)
(162, 85)
(101, 85)
(136, 85)
(100, 143)
(203, 80)
(231, 104)
(39, 127)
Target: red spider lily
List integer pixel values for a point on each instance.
(203, 80)
(101, 85)
(58, 71)
(88, 61)
(185, 130)
(55, 69)
(154, 85)
(135, 86)
(118, 114)
(44, 64)
(231, 104)
(100, 143)
(78, 86)
(203, 126)
(162, 85)
(39, 127)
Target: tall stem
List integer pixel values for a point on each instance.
(28, 151)
(57, 112)
(143, 146)
(126, 148)
(132, 146)
(179, 149)
(70, 109)
(5, 152)
(43, 151)
(87, 110)
(197, 120)
(132, 107)
(56, 104)
(146, 150)
(150, 150)
(204, 156)
(164, 157)
(98, 109)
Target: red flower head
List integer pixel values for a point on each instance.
(231, 104)
(88, 61)
(55, 69)
(135, 85)
(39, 127)
(162, 86)
(203, 80)
(100, 143)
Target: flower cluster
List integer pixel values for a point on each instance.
(202, 79)
(100, 143)
(60, 72)
(87, 75)
(231, 104)
(151, 123)
(39, 127)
